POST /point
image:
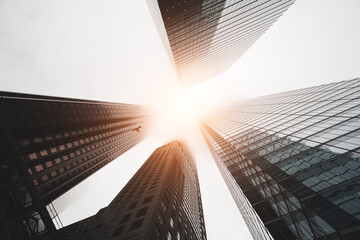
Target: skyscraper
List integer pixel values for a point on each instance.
(161, 201)
(50, 144)
(204, 38)
(292, 161)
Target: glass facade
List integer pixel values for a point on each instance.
(293, 160)
(161, 201)
(48, 145)
(207, 37)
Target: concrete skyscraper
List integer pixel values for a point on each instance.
(292, 161)
(50, 144)
(205, 37)
(161, 201)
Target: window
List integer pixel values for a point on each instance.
(136, 224)
(39, 168)
(169, 237)
(142, 212)
(178, 237)
(171, 222)
(118, 231)
(163, 205)
(25, 142)
(157, 233)
(44, 178)
(147, 200)
(132, 205)
(160, 218)
(32, 156)
(125, 217)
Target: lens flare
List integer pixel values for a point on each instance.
(177, 117)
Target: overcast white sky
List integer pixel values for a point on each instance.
(111, 50)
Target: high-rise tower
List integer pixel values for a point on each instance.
(205, 37)
(161, 201)
(292, 161)
(50, 144)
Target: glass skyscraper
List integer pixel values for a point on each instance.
(161, 201)
(50, 144)
(206, 37)
(292, 161)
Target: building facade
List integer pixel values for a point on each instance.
(292, 161)
(161, 201)
(207, 36)
(50, 144)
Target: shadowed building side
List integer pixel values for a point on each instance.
(251, 218)
(161, 201)
(295, 157)
(49, 145)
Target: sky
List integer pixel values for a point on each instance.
(111, 51)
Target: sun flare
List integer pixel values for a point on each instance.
(179, 116)
(184, 107)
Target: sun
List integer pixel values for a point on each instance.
(184, 109)
(183, 112)
(178, 113)
(178, 116)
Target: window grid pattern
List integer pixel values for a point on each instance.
(50, 144)
(296, 158)
(205, 35)
(161, 201)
